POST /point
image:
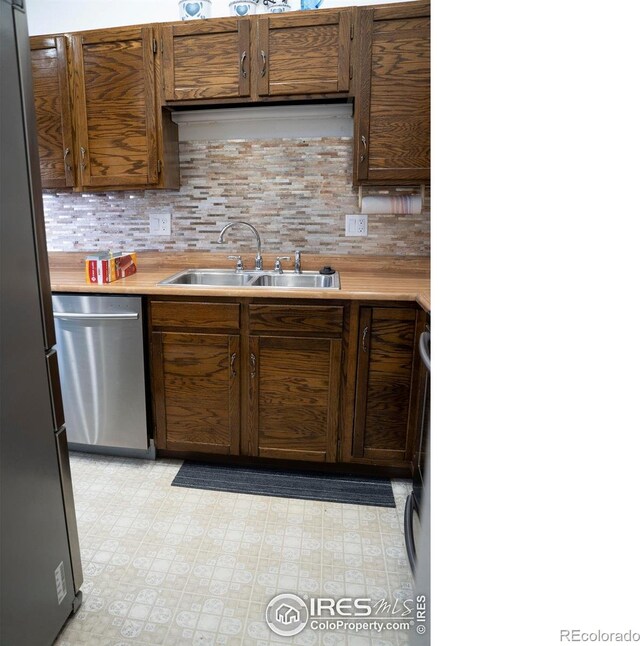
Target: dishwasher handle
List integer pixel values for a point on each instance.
(83, 316)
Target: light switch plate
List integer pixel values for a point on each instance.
(160, 225)
(355, 225)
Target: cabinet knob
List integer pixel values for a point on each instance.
(252, 361)
(83, 153)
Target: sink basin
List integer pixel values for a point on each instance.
(209, 278)
(230, 278)
(312, 280)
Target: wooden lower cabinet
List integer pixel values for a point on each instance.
(293, 398)
(267, 380)
(269, 389)
(197, 392)
(385, 394)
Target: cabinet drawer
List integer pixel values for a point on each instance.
(195, 315)
(295, 318)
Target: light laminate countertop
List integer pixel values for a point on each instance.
(380, 278)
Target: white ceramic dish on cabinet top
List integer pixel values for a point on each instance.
(194, 9)
(242, 8)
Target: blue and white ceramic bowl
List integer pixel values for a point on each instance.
(279, 7)
(194, 9)
(242, 8)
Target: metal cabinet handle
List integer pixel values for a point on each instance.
(263, 71)
(363, 139)
(242, 60)
(365, 345)
(233, 364)
(252, 360)
(83, 153)
(66, 154)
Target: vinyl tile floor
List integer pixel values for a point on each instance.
(172, 566)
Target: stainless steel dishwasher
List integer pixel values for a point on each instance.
(101, 354)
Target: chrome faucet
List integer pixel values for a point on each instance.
(255, 232)
(278, 265)
(297, 263)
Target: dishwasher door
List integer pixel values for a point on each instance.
(101, 355)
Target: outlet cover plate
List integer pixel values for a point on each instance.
(355, 225)
(160, 225)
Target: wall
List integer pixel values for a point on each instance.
(55, 16)
(295, 191)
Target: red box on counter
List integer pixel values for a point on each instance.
(125, 265)
(105, 267)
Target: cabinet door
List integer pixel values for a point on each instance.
(206, 60)
(294, 394)
(197, 392)
(303, 53)
(115, 107)
(53, 110)
(383, 426)
(392, 116)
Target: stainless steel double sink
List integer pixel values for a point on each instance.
(232, 278)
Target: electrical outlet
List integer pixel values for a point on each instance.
(160, 225)
(355, 225)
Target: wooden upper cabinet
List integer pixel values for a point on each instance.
(207, 59)
(385, 406)
(53, 110)
(115, 107)
(392, 115)
(303, 53)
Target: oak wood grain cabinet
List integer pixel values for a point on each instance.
(392, 95)
(294, 361)
(53, 111)
(303, 53)
(208, 59)
(195, 373)
(123, 140)
(277, 378)
(386, 390)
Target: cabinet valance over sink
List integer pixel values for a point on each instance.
(266, 122)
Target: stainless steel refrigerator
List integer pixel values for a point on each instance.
(40, 570)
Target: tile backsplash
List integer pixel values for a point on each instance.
(295, 191)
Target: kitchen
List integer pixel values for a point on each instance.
(148, 143)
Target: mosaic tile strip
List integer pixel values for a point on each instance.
(295, 191)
